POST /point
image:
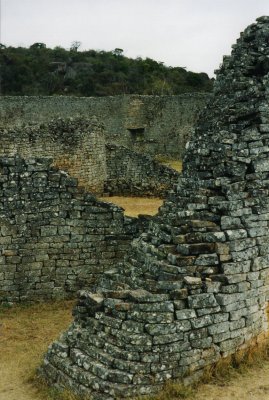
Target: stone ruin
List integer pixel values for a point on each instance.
(144, 124)
(194, 287)
(55, 238)
(135, 174)
(77, 145)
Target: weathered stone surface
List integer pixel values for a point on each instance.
(216, 289)
(146, 124)
(55, 239)
(202, 300)
(78, 146)
(135, 174)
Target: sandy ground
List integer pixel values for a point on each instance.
(15, 388)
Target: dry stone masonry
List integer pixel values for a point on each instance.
(77, 146)
(54, 238)
(146, 124)
(194, 287)
(135, 174)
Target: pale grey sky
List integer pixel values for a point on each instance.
(189, 33)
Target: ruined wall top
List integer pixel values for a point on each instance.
(194, 288)
(238, 107)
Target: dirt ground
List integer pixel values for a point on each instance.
(26, 332)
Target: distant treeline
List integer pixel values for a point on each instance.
(39, 70)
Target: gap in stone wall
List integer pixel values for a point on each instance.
(193, 287)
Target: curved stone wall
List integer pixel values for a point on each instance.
(76, 145)
(194, 287)
(136, 174)
(146, 124)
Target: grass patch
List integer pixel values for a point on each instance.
(239, 363)
(48, 393)
(134, 206)
(175, 164)
(171, 391)
(25, 333)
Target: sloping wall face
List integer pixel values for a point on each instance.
(75, 145)
(54, 239)
(148, 124)
(194, 288)
(131, 173)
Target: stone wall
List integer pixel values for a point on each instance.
(54, 238)
(147, 124)
(131, 173)
(75, 145)
(194, 286)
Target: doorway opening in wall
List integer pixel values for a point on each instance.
(137, 133)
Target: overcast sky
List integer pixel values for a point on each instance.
(189, 33)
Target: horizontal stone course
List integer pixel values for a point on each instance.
(131, 173)
(145, 124)
(48, 248)
(201, 265)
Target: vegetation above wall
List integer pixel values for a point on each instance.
(39, 70)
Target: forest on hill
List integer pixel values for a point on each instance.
(39, 70)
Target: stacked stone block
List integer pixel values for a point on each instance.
(78, 147)
(54, 238)
(135, 174)
(75, 145)
(165, 122)
(194, 288)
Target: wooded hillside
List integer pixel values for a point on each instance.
(39, 70)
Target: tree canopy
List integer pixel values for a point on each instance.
(39, 70)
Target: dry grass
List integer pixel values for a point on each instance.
(175, 164)
(171, 391)
(254, 355)
(134, 206)
(25, 333)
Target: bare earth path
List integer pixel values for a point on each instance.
(134, 206)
